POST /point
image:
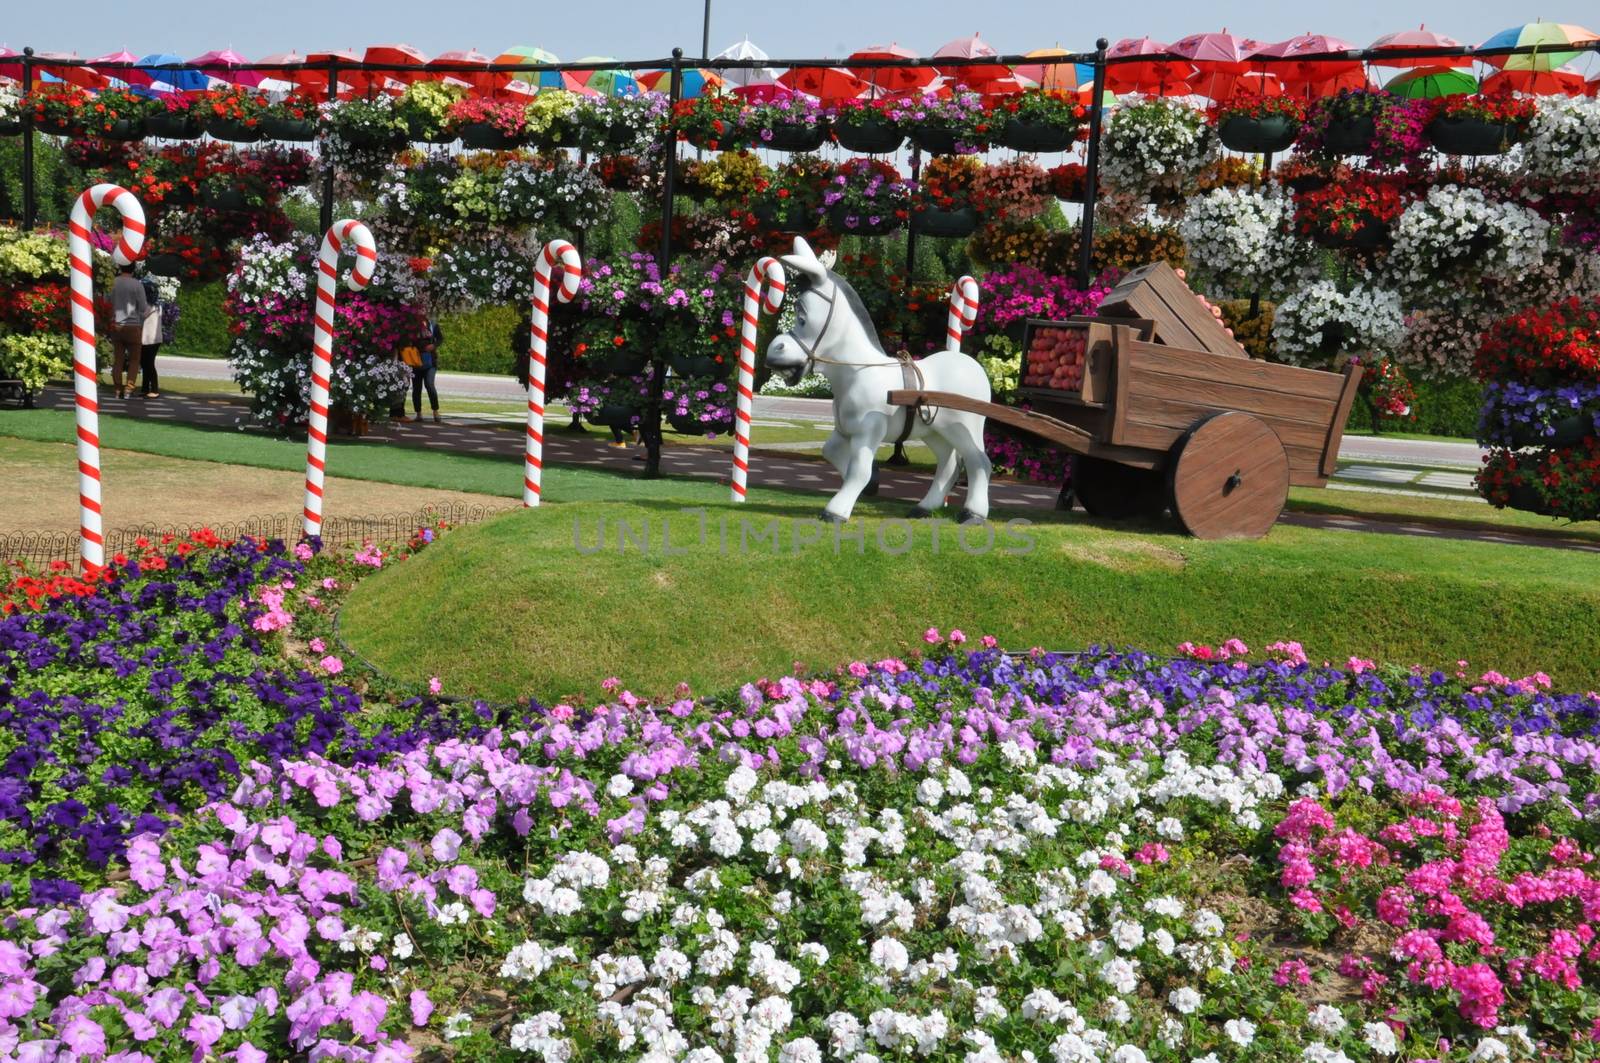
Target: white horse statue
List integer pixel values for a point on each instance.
(832, 331)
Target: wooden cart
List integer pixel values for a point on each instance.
(1164, 410)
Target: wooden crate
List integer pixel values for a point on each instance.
(1156, 293)
(1094, 388)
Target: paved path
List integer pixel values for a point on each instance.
(767, 468)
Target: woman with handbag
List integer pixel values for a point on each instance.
(150, 340)
(424, 367)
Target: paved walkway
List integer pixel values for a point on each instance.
(768, 468)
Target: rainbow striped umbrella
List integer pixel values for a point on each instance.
(544, 79)
(1548, 38)
(695, 82)
(608, 82)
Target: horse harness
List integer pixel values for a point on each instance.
(910, 371)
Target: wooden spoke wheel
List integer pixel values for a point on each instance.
(1228, 478)
(1111, 491)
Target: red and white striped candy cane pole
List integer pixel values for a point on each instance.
(770, 271)
(963, 312)
(558, 256)
(129, 248)
(322, 349)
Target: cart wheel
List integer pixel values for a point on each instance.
(1228, 478)
(1117, 492)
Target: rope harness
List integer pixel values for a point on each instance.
(910, 371)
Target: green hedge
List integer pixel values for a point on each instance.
(202, 329)
(1444, 408)
(478, 341)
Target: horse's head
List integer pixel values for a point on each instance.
(814, 300)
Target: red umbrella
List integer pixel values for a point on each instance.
(1534, 83)
(86, 77)
(1217, 57)
(1252, 84)
(480, 80)
(222, 66)
(317, 80)
(1592, 86)
(972, 47)
(824, 82)
(1147, 66)
(1398, 49)
(10, 70)
(1002, 86)
(286, 65)
(1310, 57)
(402, 55)
(762, 92)
(890, 79)
(1349, 81)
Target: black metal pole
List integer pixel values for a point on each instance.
(650, 424)
(1091, 166)
(327, 164)
(705, 33)
(1261, 178)
(911, 230)
(29, 207)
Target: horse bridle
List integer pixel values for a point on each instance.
(908, 367)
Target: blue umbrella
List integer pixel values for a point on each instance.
(176, 80)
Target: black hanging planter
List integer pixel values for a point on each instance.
(10, 127)
(123, 129)
(785, 217)
(693, 365)
(289, 130)
(1471, 136)
(935, 139)
(172, 126)
(57, 128)
(164, 265)
(839, 217)
(960, 222)
(626, 363)
(223, 199)
(795, 138)
(869, 138)
(233, 131)
(689, 425)
(1371, 233)
(1526, 497)
(1258, 136)
(1037, 137)
(1568, 432)
(1335, 334)
(1349, 136)
(613, 415)
(485, 137)
(1309, 182)
(421, 131)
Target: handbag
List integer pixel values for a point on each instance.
(150, 330)
(411, 357)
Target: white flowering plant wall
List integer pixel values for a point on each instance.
(1456, 237)
(1324, 320)
(270, 295)
(1241, 241)
(1155, 144)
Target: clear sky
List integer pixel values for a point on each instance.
(642, 29)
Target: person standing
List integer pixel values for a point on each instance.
(423, 374)
(150, 341)
(128, 308)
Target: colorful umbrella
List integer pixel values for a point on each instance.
(608, 82)
(83, 76)
(223, 66)
(1398, 49)
(890, 79)
(696, 82)
(1534, 83)
(1547, 38)
(1432, 83)
(171, 80)
(1062, 76)
(481, 81)
(1149, 66)
(522, 53)
(1217, 57)
(824, 82)
(760, 75)
(119, 66)
(402, 55)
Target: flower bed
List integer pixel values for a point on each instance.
(966, 854)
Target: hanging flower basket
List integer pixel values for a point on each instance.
(626, 363)
(1037, 137)
(172, 126)
(844, 221)
(165, 265)
(289, 130)
(1258, 136)
(57, 128)
(934, 139)
(10, 127)
(693, 365)
(421, 130)
(223, 198)
(794, 138)
(486, 137)
(689, 425)
(1369, 232)
(1350, 136)
(947, 223)
(613, 415)
(123, 129)
(1568, 432)
(1526, 497)
(868, 138)
(785, 217)
(1471, 136)
(233, 131)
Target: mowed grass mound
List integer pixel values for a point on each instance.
(526, 604)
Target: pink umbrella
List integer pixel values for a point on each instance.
(972, 47)
(121, 66)
(763, 92)
(482, 81)
(223, 66)
(1398, 46)
(1306, 58)
(1216, 56)
(1162, 73)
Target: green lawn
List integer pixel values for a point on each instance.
(532, 607)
